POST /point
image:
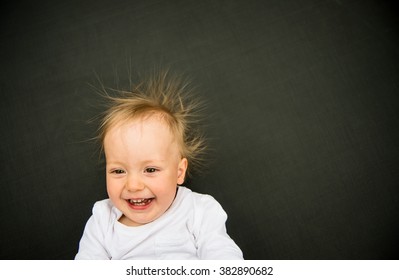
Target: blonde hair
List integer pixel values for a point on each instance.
(166, 96)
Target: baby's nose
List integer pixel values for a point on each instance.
(134, 183)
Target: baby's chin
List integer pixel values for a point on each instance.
(130, 222)
(138, 219)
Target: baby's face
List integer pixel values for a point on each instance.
(143, 166)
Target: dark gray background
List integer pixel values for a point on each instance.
(303, 117)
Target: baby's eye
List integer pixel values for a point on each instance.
(150, 170)
(118, 171)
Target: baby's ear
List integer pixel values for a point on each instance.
(181, 171)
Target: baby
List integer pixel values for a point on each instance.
(149, 142)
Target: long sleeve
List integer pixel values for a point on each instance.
(91, 244)
(212, 239)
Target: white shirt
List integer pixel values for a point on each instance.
(192, 228)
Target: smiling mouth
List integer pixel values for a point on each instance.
(140, 202)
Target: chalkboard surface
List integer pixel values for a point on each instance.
(302, 116)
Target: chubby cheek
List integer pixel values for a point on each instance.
(164, 190)
(114, 189)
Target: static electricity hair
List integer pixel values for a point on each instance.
(168, 97)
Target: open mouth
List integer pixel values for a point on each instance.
(140, 202)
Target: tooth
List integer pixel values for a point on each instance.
(139, 201)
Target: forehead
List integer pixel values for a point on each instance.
(148, 134)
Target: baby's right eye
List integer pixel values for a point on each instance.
(118, 171)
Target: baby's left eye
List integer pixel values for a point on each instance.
(150, 170)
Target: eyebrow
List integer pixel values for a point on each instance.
(153, 160)
(142, 162)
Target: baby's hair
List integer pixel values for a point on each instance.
(164, 95)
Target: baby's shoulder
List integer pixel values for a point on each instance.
(103, 208)
(201, 201)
